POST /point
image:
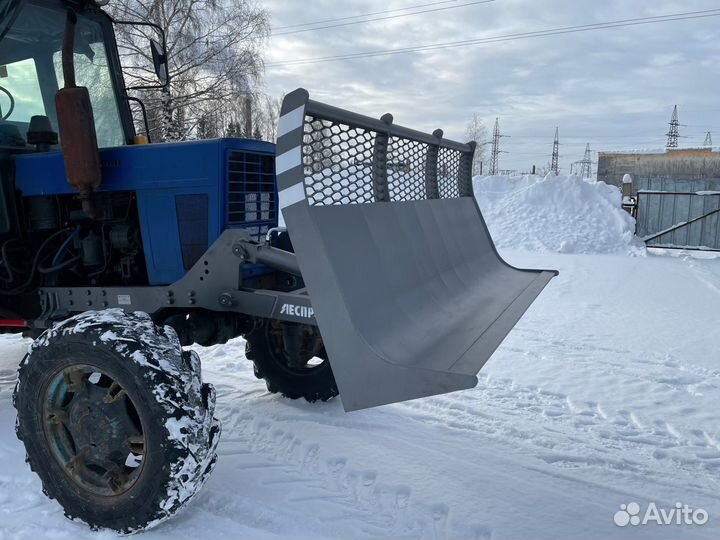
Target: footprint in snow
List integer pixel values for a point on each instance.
(336, 472)
(310, 461)
(481, 532)
(366, 494)
(439, 514)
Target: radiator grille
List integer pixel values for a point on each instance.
(252, 201)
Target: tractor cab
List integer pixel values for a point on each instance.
(31, 42)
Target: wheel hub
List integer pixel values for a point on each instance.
(93, 430)
(298, 347)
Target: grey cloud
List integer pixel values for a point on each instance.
(612, 88)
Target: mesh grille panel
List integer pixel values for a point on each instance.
(449, 173)
(338, 161)
(406, 169)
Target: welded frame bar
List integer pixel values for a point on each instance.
(297, 107)
(681, 225)
(465, 173)
(325, 111)
(381, 189)
(683, 248)
(708, 193)
(214, 283)
(432, 190)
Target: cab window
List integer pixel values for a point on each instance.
(20, 94)
(31, 72)
(92, 71)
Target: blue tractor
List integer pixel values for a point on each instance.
(351, 256)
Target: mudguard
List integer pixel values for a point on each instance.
(409, 293)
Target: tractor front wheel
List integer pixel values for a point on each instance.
(292, 360)
(115, 419)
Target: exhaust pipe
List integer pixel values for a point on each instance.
(76, 123)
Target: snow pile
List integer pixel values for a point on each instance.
(563, 214)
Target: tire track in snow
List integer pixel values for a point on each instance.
(569, 434)
(701, 271)
(298, 470)
(664, 363)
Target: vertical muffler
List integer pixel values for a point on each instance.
(76, 123)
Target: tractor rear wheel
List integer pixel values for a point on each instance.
(115, 419)
(291, 358)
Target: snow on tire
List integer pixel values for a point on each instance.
(115, 419)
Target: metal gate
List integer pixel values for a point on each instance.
(679, 220)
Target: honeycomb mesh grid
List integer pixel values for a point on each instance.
(338, 165)
(406, 163)
(448, 172)
(337, 160)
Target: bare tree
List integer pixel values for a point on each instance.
(267, 113)
(476, 131)
(546, 169)
(234, 129)
(207, 128)
(214, 49)
(230, 120)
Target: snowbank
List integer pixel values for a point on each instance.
(563, 214)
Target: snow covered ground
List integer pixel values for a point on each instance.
(605, 393)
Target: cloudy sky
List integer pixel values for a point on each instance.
(614, 88)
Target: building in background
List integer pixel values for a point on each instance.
(677, 169)
(675, 194)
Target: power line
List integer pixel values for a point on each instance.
(674, 133)
(582, 137)
(586, 163)
(555, 160)
(365, 15)
(495, 155)
(383, 18)
(509, 37)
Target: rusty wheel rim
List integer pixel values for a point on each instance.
(93, 430)
(312, 353)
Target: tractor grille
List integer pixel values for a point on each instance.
(252, 201)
